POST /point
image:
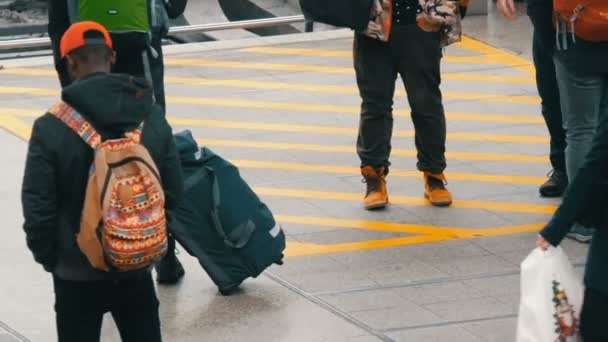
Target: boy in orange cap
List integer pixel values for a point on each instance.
(55, 182)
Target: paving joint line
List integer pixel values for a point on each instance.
(11, 332)
(332, 309)
(433, 281)
(448, 323)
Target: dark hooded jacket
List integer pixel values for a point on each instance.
(58, 163)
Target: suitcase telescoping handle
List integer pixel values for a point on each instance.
(242, 232)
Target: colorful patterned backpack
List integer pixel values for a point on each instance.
(123, 225)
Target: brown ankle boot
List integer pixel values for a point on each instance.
(376, 196)
(435, 190)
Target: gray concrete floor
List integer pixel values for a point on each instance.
(285, 110)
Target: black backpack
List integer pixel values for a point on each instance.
(221, 221)
(354, 14)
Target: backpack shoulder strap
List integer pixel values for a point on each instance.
(69, 116)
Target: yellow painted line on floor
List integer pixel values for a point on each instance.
(509, 59)
(346, 170)
(392, 227)
(326, 148)
(526, 228)
(331, 70)
(283, 146)
(290, 106)
(527, 208)
(16, 127)
(292, 128)
(300, 249)
(381, 226)
(245, 84)
(23, 130)
(282, 51)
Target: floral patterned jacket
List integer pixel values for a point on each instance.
(437, 16)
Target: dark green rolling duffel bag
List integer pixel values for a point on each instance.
(221, 221)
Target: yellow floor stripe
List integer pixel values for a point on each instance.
(430, 234)
(466, 136)
(527, 208)
(303, 147)
(299, 249)
(23, 130)
(384, 226)
(16, 127)
(302, 107)
(510, 59)
(245, 84)
(345, 170)
(372, 225)
(280, 146)
(483, 59)
(313, 129)
(181, 62)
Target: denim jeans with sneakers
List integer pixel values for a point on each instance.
(584, 98)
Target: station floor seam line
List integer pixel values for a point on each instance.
(449, 323)
(330, 308)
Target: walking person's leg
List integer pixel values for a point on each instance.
(593, 317)
(543, 46)
(142, 64)
(376, 76)
(157, 70)
(418, 55)
(79, 308)
(581, 98)
(134, 307)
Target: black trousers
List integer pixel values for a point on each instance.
(593, 317)
(543, 47)
(415, 55)
(80, 307)
(127, 62)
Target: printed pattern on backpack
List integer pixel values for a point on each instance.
(125, 203)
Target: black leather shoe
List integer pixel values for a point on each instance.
(169, 270)
(555, 185)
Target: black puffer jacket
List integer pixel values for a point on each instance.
(58, 163)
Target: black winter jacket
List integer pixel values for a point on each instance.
(58, 163)
(586, 201)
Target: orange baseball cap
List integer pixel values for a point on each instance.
(76, 37)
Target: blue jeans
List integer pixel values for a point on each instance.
(584, 99)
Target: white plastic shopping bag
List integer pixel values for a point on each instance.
(551, 298)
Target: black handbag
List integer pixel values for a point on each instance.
(353, 14)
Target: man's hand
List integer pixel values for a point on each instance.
(506, 8)
(541, 242)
